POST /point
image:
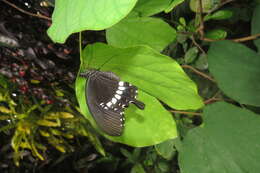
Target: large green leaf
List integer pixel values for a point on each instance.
(151, 7)
(255, 25)
(72, 16)
(141, 31)
(236, 69)
(155, 75)
(228, 142)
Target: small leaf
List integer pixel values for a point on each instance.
(151, 7)
(65, 115)
(166, 149)
(151, 157)
(33, 81)
(136, 153)
(48, 123)
(128, 155)
(35, 151)
(59, 93)
(228, 141)
(190, 55)
(216, 34)
(182, 21)
(44, 133)
(5, 110)
(55, 115)
(57, 143)
(137, 168)
(164, 166)
(202, 62)
(97, 144)
(219, 15)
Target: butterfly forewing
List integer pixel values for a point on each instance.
(107, 98)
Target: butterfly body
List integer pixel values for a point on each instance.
(107, 97)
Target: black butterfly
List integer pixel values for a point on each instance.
(107, 97)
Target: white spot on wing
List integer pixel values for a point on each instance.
(121, 83)
(114, 100)
(109, 104)
(118, 97)
(121, 88)
(119, 92)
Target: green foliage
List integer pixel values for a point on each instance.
(243, 66)
(144, 68)
(216, 34)
(166, 149)
(77, 15)
(191, 55)
(33, 122)
(146, 50)
(145, 160)
(207, 5)
(255, 25)
(224, 142)
(219, 15)
(134, 31)
(151, 7)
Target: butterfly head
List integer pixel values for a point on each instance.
(89, 73)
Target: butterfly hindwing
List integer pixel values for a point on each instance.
(100, 89)
(107, 97)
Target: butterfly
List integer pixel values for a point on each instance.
(107, 97)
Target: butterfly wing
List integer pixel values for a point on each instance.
(107, 98)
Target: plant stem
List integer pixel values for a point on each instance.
(187, 113)
(26, 12)
(198, 72)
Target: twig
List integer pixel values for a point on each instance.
(242, 39)
(198, 72)
(197, 45)
(26, 12)
(212, 100)
(210, 40)
(187, 113)
(252, 37)
(201, 27)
